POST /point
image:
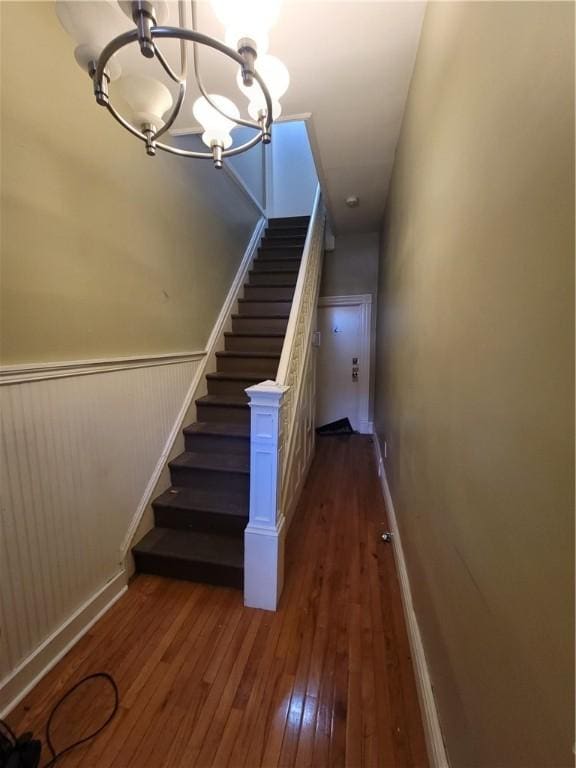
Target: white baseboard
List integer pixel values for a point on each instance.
(30, 671)
(434, 741)
(366, 427)
(212, 346)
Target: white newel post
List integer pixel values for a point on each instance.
(264, 535)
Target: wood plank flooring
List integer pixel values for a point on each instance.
(325, 681)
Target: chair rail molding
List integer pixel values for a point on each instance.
(23, 372)
(364, 301)
(282, 432)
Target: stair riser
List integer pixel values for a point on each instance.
(207, 573)
(253, 344)
(259, 325)
(276, 265)
(294, 254)
(292, 246)
(269, 292)
(289, 221)
(236, 446)
(264, 308)
(272, 257)
(279, 232)
(263, 365)
(207, 479)
(199, 520)
(223, 414)
(217, 387)
(278, 278)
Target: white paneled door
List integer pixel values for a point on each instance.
(340, 364)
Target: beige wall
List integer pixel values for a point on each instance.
(352, 269)
(475, 379)
(105, 252)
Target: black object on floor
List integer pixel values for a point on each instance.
(340, 427)
(18, 752)
(25, 751)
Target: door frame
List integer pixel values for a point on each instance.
(364, 301)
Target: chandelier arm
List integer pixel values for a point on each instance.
(123, 122)
(126, 38)
(183, 49)
(175, 150)
(208, 155)
(165, 66)
(200, 84)
(174, 113)
(182, 34)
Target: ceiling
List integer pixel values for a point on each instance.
(350, 65)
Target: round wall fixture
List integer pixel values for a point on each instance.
(353, 201)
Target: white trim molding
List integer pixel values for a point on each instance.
(30, 671)
(432, 731)
(18, 374)
(364, 301)
(239, 181)
(214, 344)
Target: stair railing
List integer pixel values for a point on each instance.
(282, 431)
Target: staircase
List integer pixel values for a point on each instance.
(200, 519)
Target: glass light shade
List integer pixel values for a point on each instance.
(217, 128)
(277, 79)
(148, 99)
(247, 18)
(160, 9)
(92, 25)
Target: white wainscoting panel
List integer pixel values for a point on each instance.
(77, 455)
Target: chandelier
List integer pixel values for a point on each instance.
(262, 78)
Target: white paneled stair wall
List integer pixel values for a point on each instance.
(78, 451)
(282, 432)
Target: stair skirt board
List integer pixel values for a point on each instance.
(199, 521)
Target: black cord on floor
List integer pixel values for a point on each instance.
(25, 750)
(57, 755)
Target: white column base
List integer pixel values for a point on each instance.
(264, 566)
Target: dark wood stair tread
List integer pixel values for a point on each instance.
(225, 376)
(192, 546)
(218, 428)
(227, 401)
(280, 244)
(216, 462)
(271, 335)
(264, 300)
(266, 259)
(283, 221)
(274, 286)
(216, 501)
(281, 315)
(265, 355)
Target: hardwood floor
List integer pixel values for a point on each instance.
(325, 681)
